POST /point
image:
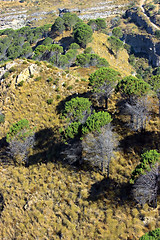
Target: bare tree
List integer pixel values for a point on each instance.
(139, 110)
(146, 186)
(72, 152)
(19, 148)
(98, 148)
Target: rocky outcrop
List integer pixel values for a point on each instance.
(143, 44)
(15, 77)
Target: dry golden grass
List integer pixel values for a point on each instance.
(50, 200)
(100, 46)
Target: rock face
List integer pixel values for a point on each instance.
(14, 78)
(143, 44)
(13, 20)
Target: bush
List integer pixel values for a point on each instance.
(157, 34)
(6, 74)
(20, 84)
(17, 128)
(38, 78)
(50, 79)
(49, 101)
(70, 88)
(117, 32)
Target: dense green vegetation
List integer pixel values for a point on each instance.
(132, 86)
(96, 121)
(152, 235)
(77, 108)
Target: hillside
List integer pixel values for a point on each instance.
(53, 79)
(49, 200)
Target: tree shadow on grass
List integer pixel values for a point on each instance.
(4, 156)
(109, 189)
(46, 146)
(1, 203)
(140, 142)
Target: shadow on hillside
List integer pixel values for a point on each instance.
(5, 159)
(66, 41)
(1, 203)
(109, 189)
(141, 141)
(49, 148)
(46, 146)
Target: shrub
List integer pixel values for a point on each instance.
(69, 87)
(74, 46)
(49, 101)
(38, 78)
(50, 79)
(58, 97)
(117, 32)
(157, 34)
(6, 74)
(16, 128)
(20, 84)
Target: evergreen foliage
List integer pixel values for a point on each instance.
(115, 44)
(58, 26)
(97, 24)
(77, 109)
(87, 60)
(103, 82)
(82, 34)
(152, 235)
(132, 86)
(117, 32)
(17, 128)
(96, 121)
(70, 19)
(148, 160)
(72, 130)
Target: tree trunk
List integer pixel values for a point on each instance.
(106, 103)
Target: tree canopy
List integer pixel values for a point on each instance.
(82, 34)
(58, 26)
(77, 109)
(132, 86)
(96, 121)
(152, 235)
(148, 160)
(103, 81)
(115, 44)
